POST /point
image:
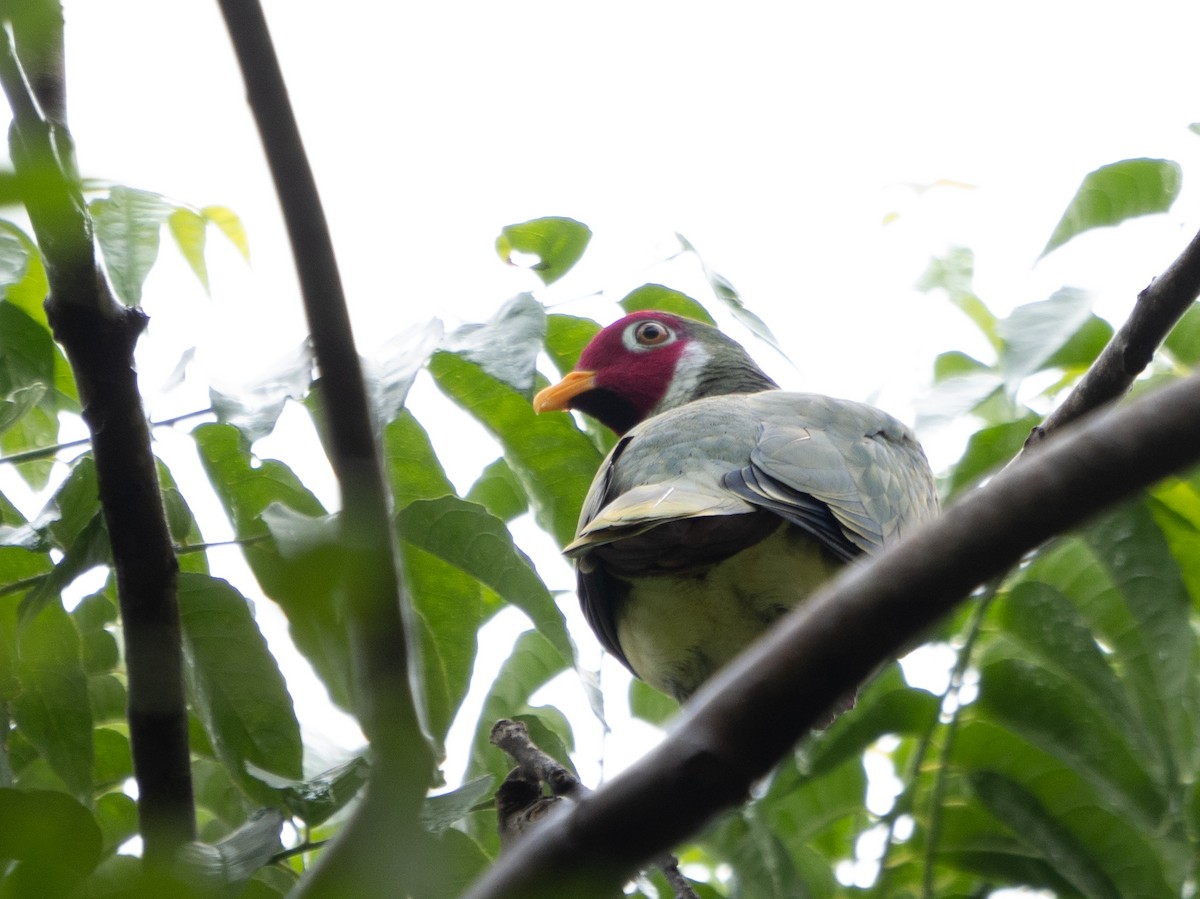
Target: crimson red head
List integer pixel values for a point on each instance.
(624, 372)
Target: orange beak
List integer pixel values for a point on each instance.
(557, 397)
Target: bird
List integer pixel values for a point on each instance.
(725, 501)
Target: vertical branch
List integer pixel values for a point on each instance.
(99, 336)
(402, 762)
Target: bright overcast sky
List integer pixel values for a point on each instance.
(776, 136)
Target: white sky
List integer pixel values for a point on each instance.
(775, 136)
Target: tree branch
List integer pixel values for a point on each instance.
(99, 336)
(1159, 306)
(401, 771)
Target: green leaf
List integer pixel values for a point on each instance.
(225, 867)
(52, 709)
(127, 224)
(658, 297)
(557, 242)
(413, 468)
(89, 549)
(1035, 332)
(116, 815)
(1040, 831)
(887, 706)
(506, 346)
(550, 456)
(990, 449)
(318, 798)
(256, 405)
(648, 704)
(498, 490)
(474, 541)
(450, 607)
(190, 229)
(725, 292)
(1176, 509)
(113, 763)
(954, 273)
(1113, 193)
(390, 373)
(235, 683)
(52, 837)
(29, 358)
(1159, 652)
(22, 275)
(441, 812)
(229, 225)
(1184, 340)
(566, 336)
(302, 577)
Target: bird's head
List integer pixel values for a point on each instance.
(647, 363)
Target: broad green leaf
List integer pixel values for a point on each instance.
(18, 403)
(551, 457)
(954, 273)
(1050, 628)
(1113, 193)
(441, 812)
(566, 336)
(87, 550)
(52, 709)
(1159, 653)
(116, 815)
(391, 371)
(22, 275)
(954, 365)
(498, 490)
(449, 603)
(1034, 333)
(29, 358)
(1057, 717)
(51, 836)
(474, 541)
(1131, 858)
(1175, 505)
(254, 407)
(455, 862)
(955, 397)
(229, 225)
(648, 704)
(1184, 340)
(318, 798)
(506, 346)
(304, 579)
(725, 292)
(413, 468)
(127, 224)
(235, 683)
(1039, 829)
(190, 228)
(99, 649)
(887, 706)
(226, 866)
(557, 242)
(1081, 350)
(989, 449)
(113, 758)
(666, 299)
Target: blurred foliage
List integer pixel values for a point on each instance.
(1062, 755)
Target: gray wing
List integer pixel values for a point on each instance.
(850, 474)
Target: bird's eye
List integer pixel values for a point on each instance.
(651, 333)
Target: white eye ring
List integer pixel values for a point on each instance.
(647, 334)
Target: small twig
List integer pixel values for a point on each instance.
(46, 452)
(520, 802)
(1159, 306)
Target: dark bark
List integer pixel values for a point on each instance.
(99, 336)
(382, 834)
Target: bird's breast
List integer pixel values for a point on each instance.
(677, 629)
